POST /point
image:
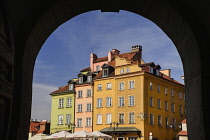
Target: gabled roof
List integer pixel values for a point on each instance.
(147, 64)
(131, 56)
(101, 59)
(85, 69)
(61, 89)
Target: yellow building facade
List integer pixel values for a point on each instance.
(135, 100)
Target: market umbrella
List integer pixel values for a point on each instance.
(101, 135)
(39, 136)
(58, 135)
(81, 134)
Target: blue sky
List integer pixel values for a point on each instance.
(67, 50)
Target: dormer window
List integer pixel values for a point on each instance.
(105, 72)
(157, 72)
(89, 78)
(80, 79)
(151, 69)
(71, 87)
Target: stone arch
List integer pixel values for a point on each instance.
(46, 18)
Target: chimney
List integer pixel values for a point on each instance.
(93, 57)
(112, 54)
(136, 48)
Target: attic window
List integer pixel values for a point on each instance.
(71, 87)
(89, 78)
(105, 72)
(97, 68)
(80, 79)
(151, 69)
(157, 72)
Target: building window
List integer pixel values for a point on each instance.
(99, 102)
(79, 122)
(131, 118)
(172, 92)
(105, 72)
(60, 119)
(151, 69)
(99, 119)
(121, 86)
(89, 78)
(151, 116)
(121, 118)
(150, 86)
(121, 101)
(88, 122)
(89, 107)
(174, 123)
(68, 118)
(157, 72)
(80, 79)
(89, 93)
(167, 121)
(131, 101)
(158, 88)
(108, 118)
(180, 95)
(131, 84)
(97, 68)
(60, 103)
(71, 86)
(166, 105)
(159, 120)
(127, 70)
(158, 103)
(80, 108)
(68, 104)
(99, 87)
(173, 107)
(80, 94)
(181, 109)
(121, 71)
(151, 102)
(166, 90)
(108, 101)
(109, 85)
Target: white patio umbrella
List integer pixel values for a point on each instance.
(81, 134)
(39, 136)
(58, 135)
(101, 135)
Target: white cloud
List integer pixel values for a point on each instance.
(41, 101)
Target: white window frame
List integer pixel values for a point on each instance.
(71, 86)
(79, 122)
(132, 100)
(80, 80)
(109, 86)
(99, 118)
(61, 103)
(121, 101)
(121, 118)
(131, 117)
(151, 69)
(165, 90)
(159, 119)
(158, 88)
(89, 92)
(97, 68)
(127, 70)
(121, 71)
(68, 118)
(79, 93)
(60, 119)
(173, 107)
(99, 87)
(157, 72)
(108, 118)
(99, 102)
(151, 119)
(89, 78)
(105, 72)
(108, 101)
(166, 122)
(89, 107)
(166, 105)
(79, 108)
(150, 85)
(68, 102)
(131, 84)
(172, 92)
(88, 122)
(121, 85)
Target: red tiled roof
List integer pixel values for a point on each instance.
(85, 69)
(112, 63)
(64, 88)
(182, 133)
(128, 56)
(101, 59)
(33, 126)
